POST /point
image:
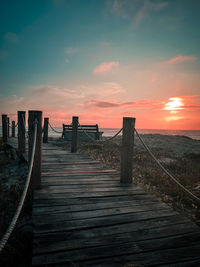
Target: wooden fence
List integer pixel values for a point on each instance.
(126, 150)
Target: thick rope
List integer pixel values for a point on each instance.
(54, 129)
(23, 196)
(91, 138)
(111, 138)
(102, 141)
(26, 131)
(169, 174)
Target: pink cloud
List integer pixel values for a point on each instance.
(181, 58)
(105, 67)
(191, 102)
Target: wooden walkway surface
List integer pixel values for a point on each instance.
(83, 216)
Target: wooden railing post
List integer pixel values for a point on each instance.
(21, 132)
(13, 128)
(127, 150)
(4, 128)
(97, 133)
(45, 130)
(36, 171)
(8, 125)
(74, 134)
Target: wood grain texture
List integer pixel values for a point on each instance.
(83, 216)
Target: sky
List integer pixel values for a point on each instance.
(102, 60)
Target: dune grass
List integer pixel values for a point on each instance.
(17, 251)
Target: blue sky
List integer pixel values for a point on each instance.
(52, 48)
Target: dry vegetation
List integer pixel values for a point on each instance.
(180, 155)
(17, 251)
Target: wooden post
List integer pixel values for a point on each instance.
(4, 128)
(127, 150)
(8, 125)
(45, 133)
(97, 133)
(21, 132)
(13, 128)
(63, 137)
(36, 170)
(74, 134)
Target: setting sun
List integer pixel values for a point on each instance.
(175, 103)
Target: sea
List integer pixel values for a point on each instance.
(108, 132)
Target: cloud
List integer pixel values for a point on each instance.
(11, 38)
(191, 102)
(174, 118)
(137, 10)
(71, 50)
(101, 104)
(180, 59)
(105, 67)
(139, 104)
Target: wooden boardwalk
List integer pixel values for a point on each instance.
(83, 216)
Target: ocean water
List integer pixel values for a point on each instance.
(194, 134)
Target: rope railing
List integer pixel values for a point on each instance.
(111, 138)
(23, 196)
(90, 137)
(54, 129)
(189, 193)
(102, 141)
(26, 131)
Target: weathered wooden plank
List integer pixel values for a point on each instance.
(54, 189)
(50, 173)
(84, 239)
(100, 175)
(94, 206)
(85, 214)
(170, 248)
(79, 201)
(150, 258)
(45, 226)
(85, 194)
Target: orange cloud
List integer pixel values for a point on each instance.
(105, 67)
(191, 102)
(174, 118)
(181, 58)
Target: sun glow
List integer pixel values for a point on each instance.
(174, 104)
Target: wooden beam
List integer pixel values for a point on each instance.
(35, 116)
(45, 133)
(127, 150)
(13, 128)
(74, 134)
(4, 128)
(8, 125)
(21, 132)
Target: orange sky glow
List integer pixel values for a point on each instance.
(120, 58)
(174, 113)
